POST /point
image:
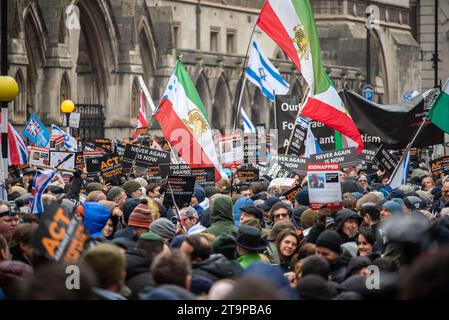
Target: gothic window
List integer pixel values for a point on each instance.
(134, 100)
(20, 101)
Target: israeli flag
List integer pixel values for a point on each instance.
(312, 145)
(248, 126)
(262, 73)
(69, 141)
(400, 176)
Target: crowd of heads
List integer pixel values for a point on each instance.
(235, 241)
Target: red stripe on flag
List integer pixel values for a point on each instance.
(181, 139)
(269, 22)
(333, 118)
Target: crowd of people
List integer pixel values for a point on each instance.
(241, 241)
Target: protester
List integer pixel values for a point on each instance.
(189, 217)
(9, 221)
(249, 243)
(222, 220)
(287, 245)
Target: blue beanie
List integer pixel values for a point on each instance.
(302, 197)
(199, 192)
(393, 206)
(397, 194)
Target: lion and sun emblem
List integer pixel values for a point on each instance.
(302, 41)
(196, 123)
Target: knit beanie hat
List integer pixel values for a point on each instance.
(278, 227)
(163, 227)
(369, 197)
(308, 218)
(393, 206)
(302, 197)
(131, 186)
(331, 240)
(199, 192)
(141, 216)
(108, 263)
(141, 181)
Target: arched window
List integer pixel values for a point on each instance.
(64, 91)
(134, 105)
(19, 104)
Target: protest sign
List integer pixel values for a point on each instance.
(204, 176)
(345, 157)
(144, 156)
(385, 160)
(110, 167)
(74, 120)
(56, 157)
(247, 175)
(36, 132)
(60, 237)
(287, 108)
(120, 149)
(104, 144)
(291, 194)
(182, 187)
(92, 167)
(174, 170)
(298, 136)
(276, 170)
(291, 163)
(56, 142)
(324, 185)
(39, 156)
(439, 166)
(254, 147)
(230, 149)
(153, 173)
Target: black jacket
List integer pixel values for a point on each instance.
(217, 267)
(138, 275)
(338, 268)
(314, 233)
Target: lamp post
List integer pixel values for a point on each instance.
(8, 92)
(67, 107)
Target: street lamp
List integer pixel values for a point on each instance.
(67, 107)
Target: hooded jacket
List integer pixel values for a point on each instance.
(221, 217)
(351, 185)
(340, 219)
(338, 267)
(240, 203)
(95, 217)
(217, 267)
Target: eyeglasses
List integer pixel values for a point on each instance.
(281, 215)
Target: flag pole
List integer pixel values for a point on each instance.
(299, 113)
(243, 77)
(409, 146)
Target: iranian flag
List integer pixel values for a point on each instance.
(291, 25)
(184, 122)
(439, 114)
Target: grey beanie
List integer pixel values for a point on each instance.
(163, 227)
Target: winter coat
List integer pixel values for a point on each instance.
(338, 267)
(138, 275)
(221, 217)
(95, 217)
(217, 267)
(240, 203)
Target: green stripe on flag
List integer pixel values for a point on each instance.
(439, 114)
(338, 142)
(190, 89)
(304, 12)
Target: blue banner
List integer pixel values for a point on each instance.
(36, 132)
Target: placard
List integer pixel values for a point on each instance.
(104, 144)
(74, 120)
(439, 166)
(57, 156)
(291, 163)
(345, 157)
(39, 156)
(144, 156)
(204, 176)
(324, 185)
(92, 167)
(110, 167)
(248, 175)
(174, 170)
(291, 194)
(79, 160)
(182, 187)
(385, 160)
(299, 136)
(230, 149)
(60, 236)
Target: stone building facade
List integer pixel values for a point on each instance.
(96, 55)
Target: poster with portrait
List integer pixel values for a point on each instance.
(323, 181)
